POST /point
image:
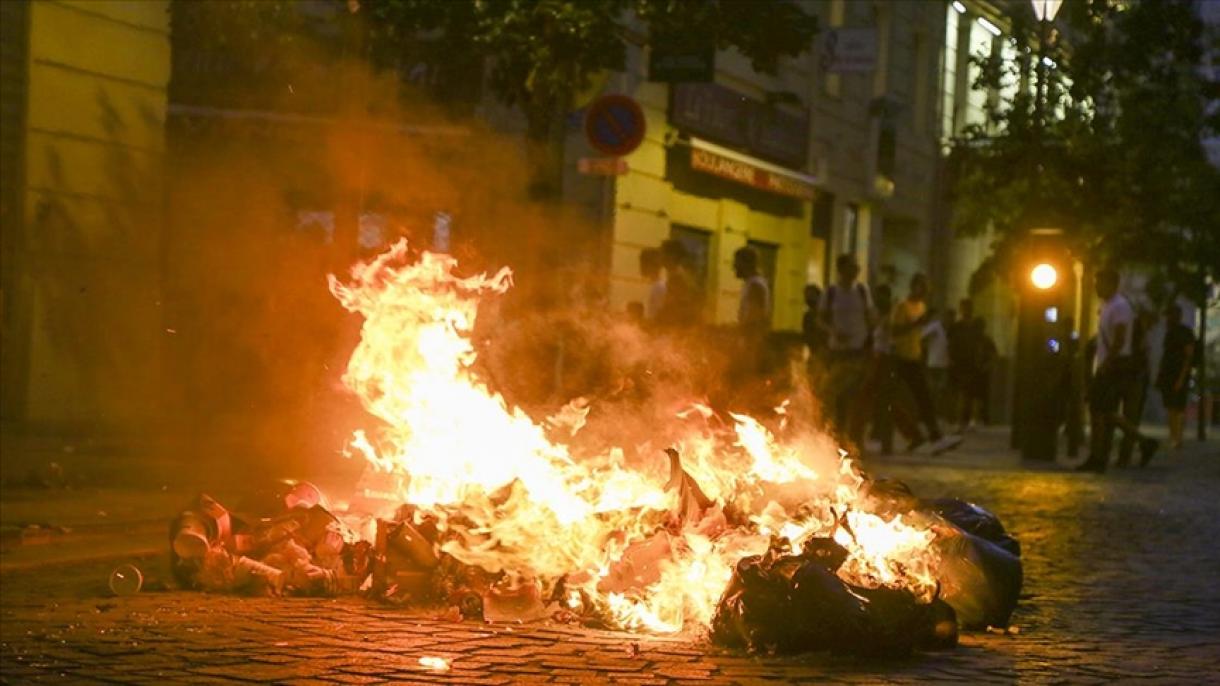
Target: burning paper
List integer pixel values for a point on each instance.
(511, 496)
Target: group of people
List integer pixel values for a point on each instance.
(1119, 376)
(873, 348)
(886, 364)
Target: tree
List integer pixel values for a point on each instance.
(543, 52)
(539, 53)
(1113, 155)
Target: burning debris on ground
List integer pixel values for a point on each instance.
(757, 530)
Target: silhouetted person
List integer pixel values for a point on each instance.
(1137, 390)
(812, 331)
(935, 336)
(1173, 373)
(965, 348)
(683, 301)
(1114, 371)
(846, 310)
(906, 326)
(879, 397)
(650, 269)
(754, 309)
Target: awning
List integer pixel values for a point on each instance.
(751, 171)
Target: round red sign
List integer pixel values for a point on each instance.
(614, 125)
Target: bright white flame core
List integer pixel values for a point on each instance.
(533, 509)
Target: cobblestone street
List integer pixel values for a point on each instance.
(1120, 584)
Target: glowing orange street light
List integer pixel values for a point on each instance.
(1043, 276)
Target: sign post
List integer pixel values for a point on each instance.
(614, 125)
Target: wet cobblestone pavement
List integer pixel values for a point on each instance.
(1121, 584)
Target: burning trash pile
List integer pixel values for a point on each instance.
(760, 531)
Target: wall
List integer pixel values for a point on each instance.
(646, 202)
(88, 261)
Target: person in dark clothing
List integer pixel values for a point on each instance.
(812, 330)
(1137, 391)
(906, 325)
(1071, 385)
(1173, 373)
(965, 348)
(1115, 371)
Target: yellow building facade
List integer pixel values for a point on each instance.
(82, 320)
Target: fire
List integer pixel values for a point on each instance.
(511, 495)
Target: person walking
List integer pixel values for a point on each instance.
(879, 395)
(754, 309)
(1173, 373)
(1114, 370)
(907, 321)
(846, 311)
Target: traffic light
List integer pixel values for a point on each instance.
(1042, 369)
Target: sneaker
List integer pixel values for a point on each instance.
(946, 443)
(1148, 448)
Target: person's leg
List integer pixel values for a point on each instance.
(1133, 410)
(912, 375)
(1175, 428)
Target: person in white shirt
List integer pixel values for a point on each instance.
(1114, 370)
(936, 358)
(846, 310)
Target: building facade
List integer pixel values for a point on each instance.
(84, 139)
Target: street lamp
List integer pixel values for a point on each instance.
(1043, 276)
(1046, 10)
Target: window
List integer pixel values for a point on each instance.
(949, 73)
(980, 43)
(698, 244)
(851, 228)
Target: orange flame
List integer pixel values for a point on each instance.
(532, 508)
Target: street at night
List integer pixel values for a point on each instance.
(1119, 586)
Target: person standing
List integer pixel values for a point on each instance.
(1173, 373)
(1137, 390)
(936, 359)
(650, 269)
(682, 305)
(846, 311)
(1114, 370)
(964, 349)
(754, 309)
(909, 318)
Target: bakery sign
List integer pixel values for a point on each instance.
(713, 159)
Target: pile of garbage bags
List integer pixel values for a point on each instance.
(778, 602)
(781, 602)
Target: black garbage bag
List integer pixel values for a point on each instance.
(978, 578)
(754, 613)
(824, 614)
(977, 521)
(792, 603)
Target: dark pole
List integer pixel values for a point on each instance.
(1204, 417)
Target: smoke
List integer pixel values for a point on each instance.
(262, 207)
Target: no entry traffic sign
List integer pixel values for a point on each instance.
(614, 124)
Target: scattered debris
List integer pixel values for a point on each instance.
(438, 664)
(126, 580)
